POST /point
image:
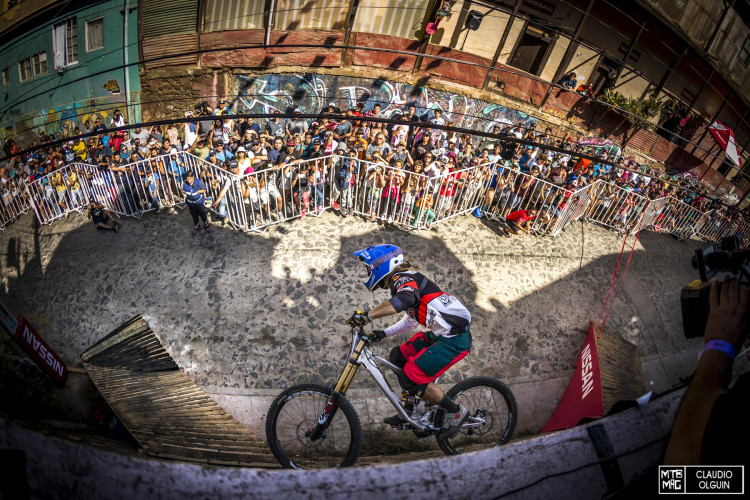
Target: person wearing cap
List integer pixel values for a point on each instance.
(69, 156)
(343, 129)
(243, 161)
(222, 108)
(317, 150)
(222, 154)
(194, 191)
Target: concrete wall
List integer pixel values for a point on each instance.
(562, 465)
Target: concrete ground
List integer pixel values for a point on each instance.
(246, 315)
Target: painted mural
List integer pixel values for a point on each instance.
(311, 93)
(65, 118)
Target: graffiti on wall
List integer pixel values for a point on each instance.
(311, 93)
(112, 86)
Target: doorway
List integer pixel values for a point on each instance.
(531, 53)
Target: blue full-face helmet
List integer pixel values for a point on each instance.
(380, 260)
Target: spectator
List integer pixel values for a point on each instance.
(520, 220)
(569, 81)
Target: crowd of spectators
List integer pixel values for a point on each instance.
(376, 165)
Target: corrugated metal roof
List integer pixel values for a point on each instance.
(402, 18)
(222, 15)
(171, 49)
(307, 15)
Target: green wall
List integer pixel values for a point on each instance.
(95, 85)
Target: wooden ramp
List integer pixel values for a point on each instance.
(161, 407)
(620, 366)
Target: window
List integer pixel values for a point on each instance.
(65, 39)
(30, 67)
(40, 63)
(744, 54)
(6, 76)
(25, 70)
(95, 34)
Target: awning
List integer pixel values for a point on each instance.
(725, 137)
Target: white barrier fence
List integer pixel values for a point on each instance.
(407, 199)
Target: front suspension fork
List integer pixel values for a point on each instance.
(326, 417)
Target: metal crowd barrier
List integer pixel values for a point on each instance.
(15, 202)
(57, 194)
(410, 200)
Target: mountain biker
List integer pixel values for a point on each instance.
(426, 355)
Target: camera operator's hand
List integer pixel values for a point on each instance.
(728, 316)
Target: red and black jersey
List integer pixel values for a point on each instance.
(426, 304)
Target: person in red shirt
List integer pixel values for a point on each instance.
(520, 220)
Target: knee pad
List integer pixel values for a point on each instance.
(410, 386)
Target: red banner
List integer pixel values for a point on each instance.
(583, 397)
(37, 348)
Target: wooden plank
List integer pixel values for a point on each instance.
(161, 406)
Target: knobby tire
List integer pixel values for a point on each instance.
(345, 410)
(506, 423)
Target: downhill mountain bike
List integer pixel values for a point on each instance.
(313, 426)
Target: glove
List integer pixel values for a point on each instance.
(359, 318)
(378, 335)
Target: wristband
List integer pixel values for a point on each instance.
(720, 345)
(367, 315)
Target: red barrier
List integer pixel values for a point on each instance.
(47, 359)
(583, 398)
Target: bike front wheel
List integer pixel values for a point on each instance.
(295, 412)
(489, 400)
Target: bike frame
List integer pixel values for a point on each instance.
(360, 355)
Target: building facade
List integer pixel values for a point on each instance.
(63, 63)
(693, 54)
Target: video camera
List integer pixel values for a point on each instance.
(695, 297)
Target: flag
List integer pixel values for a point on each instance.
(725, 137)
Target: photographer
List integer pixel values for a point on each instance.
(711, 417)
(102, 218)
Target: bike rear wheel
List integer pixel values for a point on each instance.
(490, 398)
(291, 416)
